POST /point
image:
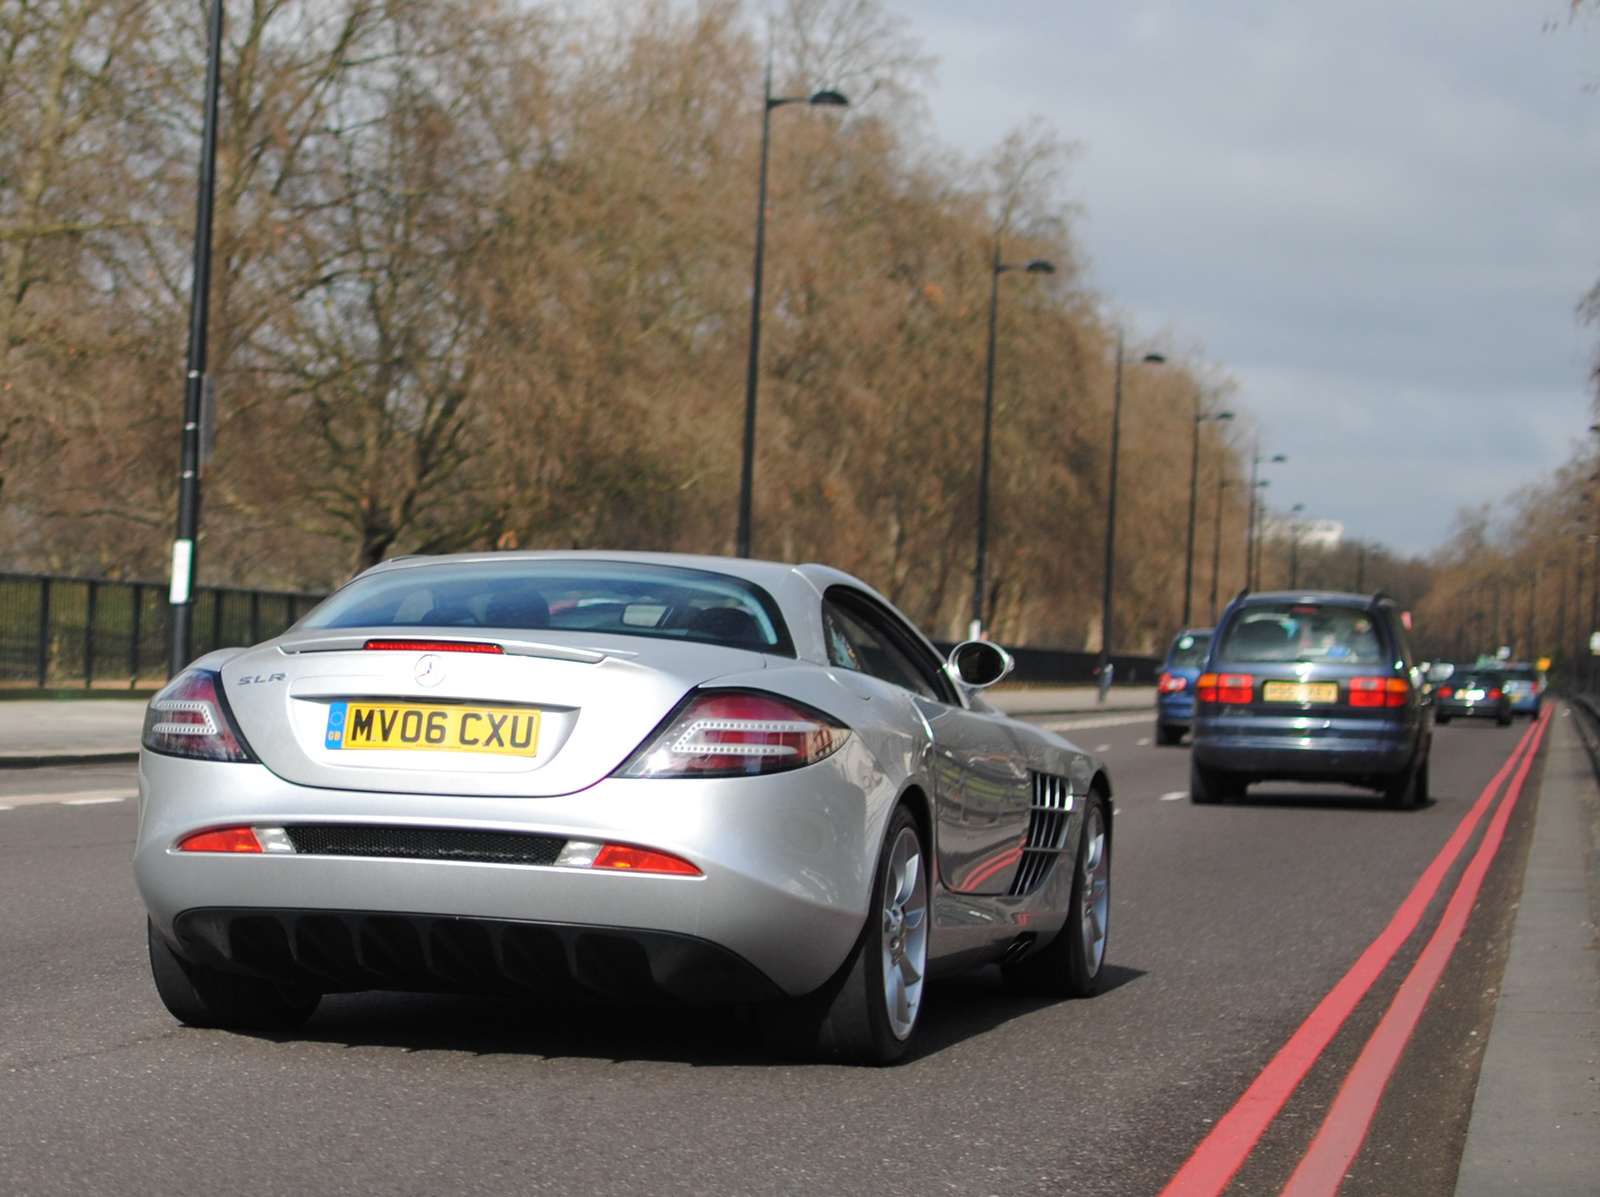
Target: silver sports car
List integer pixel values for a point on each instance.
(615, 776)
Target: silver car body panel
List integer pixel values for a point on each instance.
(787, 857)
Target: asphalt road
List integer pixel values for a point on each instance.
(1229, 925)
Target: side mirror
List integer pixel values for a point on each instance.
(980, 663)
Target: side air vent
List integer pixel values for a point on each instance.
(1047, 832)
(424, 843)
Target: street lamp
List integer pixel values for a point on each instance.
(1252, 566)
(1294, 545)
(1200, 417)
(181, 594)
(980, 568)
(1111, 520)
(819, 99)
(1216, 547)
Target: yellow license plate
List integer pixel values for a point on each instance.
(428, 727)
(1300, 692)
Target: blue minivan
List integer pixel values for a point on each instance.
(1312, 687)
(1175, 689)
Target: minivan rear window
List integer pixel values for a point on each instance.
(1189, 651)
(1310, 632)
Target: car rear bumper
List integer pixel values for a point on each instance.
(1470, 710)
(1306, 753)
(786, 859)
(1175, 712)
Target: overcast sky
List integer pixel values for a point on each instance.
(1378, 215)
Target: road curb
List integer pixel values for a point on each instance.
(1535, 1124)
(37, 760)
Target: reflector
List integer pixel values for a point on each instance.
(643, 860)
(222, 839)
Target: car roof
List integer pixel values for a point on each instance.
(1338, 597)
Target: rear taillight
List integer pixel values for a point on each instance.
(1235, 688)
(1494, 695)
(189, 717)
(735, 733)
(1445, 691)
(1172, 684)
(1380, 691)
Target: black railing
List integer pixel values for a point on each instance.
(95, 633)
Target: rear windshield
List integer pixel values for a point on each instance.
(1519, 675)
(1477, 681)
(1188, 652)
(618, 598)
(1311, 632)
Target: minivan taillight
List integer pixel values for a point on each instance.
(1172, 684)
(1233, 688)
(1379, 691)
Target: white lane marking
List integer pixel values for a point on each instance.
(1143, 741)
(7, 808)
(1102, 748)
(69, 797)
(1174, 796)
(1096, 721)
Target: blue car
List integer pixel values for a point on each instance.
(1320, 687)
(1175, 690)
(1525, 684)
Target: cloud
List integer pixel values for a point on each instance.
(1378, 215)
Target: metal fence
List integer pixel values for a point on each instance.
(60, 632)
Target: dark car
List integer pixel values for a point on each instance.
(1525, 684)
(1318, 687)
(1175, 689)
(1475, 694)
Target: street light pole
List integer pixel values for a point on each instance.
(980, 566)
(181, 594)
(752, 379)
(1111, 521)
(1216, 548)
(1252, 554)
(1294, 545)
(1200, 417)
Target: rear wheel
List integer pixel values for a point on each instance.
(1409, 787)
(868, 1011)
(1070, 965)
(1504, 719)
(208, 997)
(1167, 735)
(1209, 786)
(1441, 720)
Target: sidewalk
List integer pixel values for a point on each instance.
(63, 732)
(1535, 1125)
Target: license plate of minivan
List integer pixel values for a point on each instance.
(1301, 692)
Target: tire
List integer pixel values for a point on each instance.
(206, 997)
(1210, 786)
(1441, 720)
(1503, 719)
(1408, 788)
(1071, 964)
(1167, 735)
(867, 1012)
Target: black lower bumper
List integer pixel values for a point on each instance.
(349, 951)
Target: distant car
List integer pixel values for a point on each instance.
(1311, 687)
(1175, 689)
(1526, 685)
(1474, 694)
(627, 777)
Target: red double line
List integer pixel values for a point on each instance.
(1224, 1150)
(1323, 1168)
